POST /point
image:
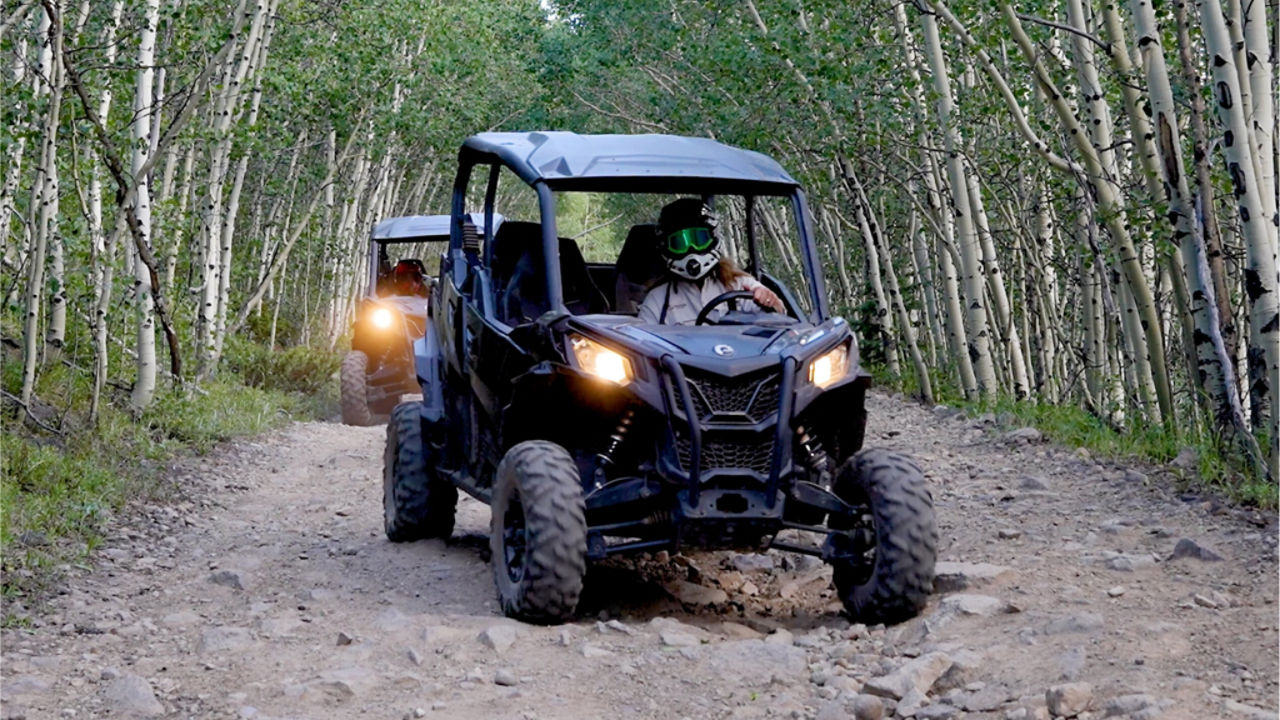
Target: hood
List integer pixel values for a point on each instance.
(408, 305)
(726, 349)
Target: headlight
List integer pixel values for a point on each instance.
(598, 360)
(382, 318)
(830, 367)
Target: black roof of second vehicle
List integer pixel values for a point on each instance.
(659, 163)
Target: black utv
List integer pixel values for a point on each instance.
(592, 432)
(390, 317)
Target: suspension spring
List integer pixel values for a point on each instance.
(815, 454)
(618, 436)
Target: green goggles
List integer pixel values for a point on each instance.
(690, 240)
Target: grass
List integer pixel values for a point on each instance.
(1073, 426)
(59, 490)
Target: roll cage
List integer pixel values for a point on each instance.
(551, 162)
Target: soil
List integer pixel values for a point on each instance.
(268, 590)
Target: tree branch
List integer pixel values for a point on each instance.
(125, 190)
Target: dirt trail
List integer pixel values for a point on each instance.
(270, 592)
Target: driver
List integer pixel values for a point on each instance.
(408, 278)
(696, 271)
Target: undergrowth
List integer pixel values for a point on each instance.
(1073, 426)
(61, 479)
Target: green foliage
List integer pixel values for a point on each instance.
(57, 490)
(1076, 427)
(298, 369)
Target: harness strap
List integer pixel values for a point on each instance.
(666, 303)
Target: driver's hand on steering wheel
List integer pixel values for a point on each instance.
(765, 297)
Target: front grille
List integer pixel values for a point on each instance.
(722, 454)
(754, 397)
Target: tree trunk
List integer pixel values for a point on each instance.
(45, 195)
(1002, 315)
(144, 385)
(1205, 189)
(977, 326)
(1112, 215)
(102, 247)
(1213, 377)
(1260, 273)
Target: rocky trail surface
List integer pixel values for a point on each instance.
(1067, 588)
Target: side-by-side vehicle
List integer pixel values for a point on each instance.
(590, 432)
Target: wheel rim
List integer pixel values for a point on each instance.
(514, 539)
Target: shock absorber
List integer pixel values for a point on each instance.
(816, 455)
(618, 436)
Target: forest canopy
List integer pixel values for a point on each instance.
(1070, 203)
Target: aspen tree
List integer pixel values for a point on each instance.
(1260, 275)
(967, 240)
(102, 257)
(45, 191)
(1214, 378)
(1112, 214)
(144, 385)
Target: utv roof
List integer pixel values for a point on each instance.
(420, 228)
(654, 163)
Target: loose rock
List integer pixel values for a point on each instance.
(218, 639)
(1085, 622)
(976, 605)
(694, 594)
(499, 638)
(918, 674)
(752, 562)
(956, 576)
(229, 578)
(1023, 435)
(674, 638)
(1068, 699)
(1188, 548)
(131, 696)
(1127, 704)
(868, 707)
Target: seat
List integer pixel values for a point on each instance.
(518, 275)
(640, 267)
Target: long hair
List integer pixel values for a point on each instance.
(728, 271)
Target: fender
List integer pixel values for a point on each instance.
(426, 360)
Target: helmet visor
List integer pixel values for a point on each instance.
(689, 240)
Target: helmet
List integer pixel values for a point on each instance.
(687, 229)
(409, 276)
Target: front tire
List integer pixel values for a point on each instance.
(538, 533)
(355, 391)
(894, 585)
(415, 503)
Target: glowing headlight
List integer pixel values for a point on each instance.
(382, 318)
(594, 358)
(827, 369)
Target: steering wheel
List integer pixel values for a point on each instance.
(727, 297)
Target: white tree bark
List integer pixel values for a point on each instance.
(1259, 55)
(979, 334)
(257, 58)
(1002, 315)
(44, 196)
(225, 109)
(1260, 274)
(103, 247)
(144, 385)
(1214, 378)
(1111, 213)
(14, 253)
